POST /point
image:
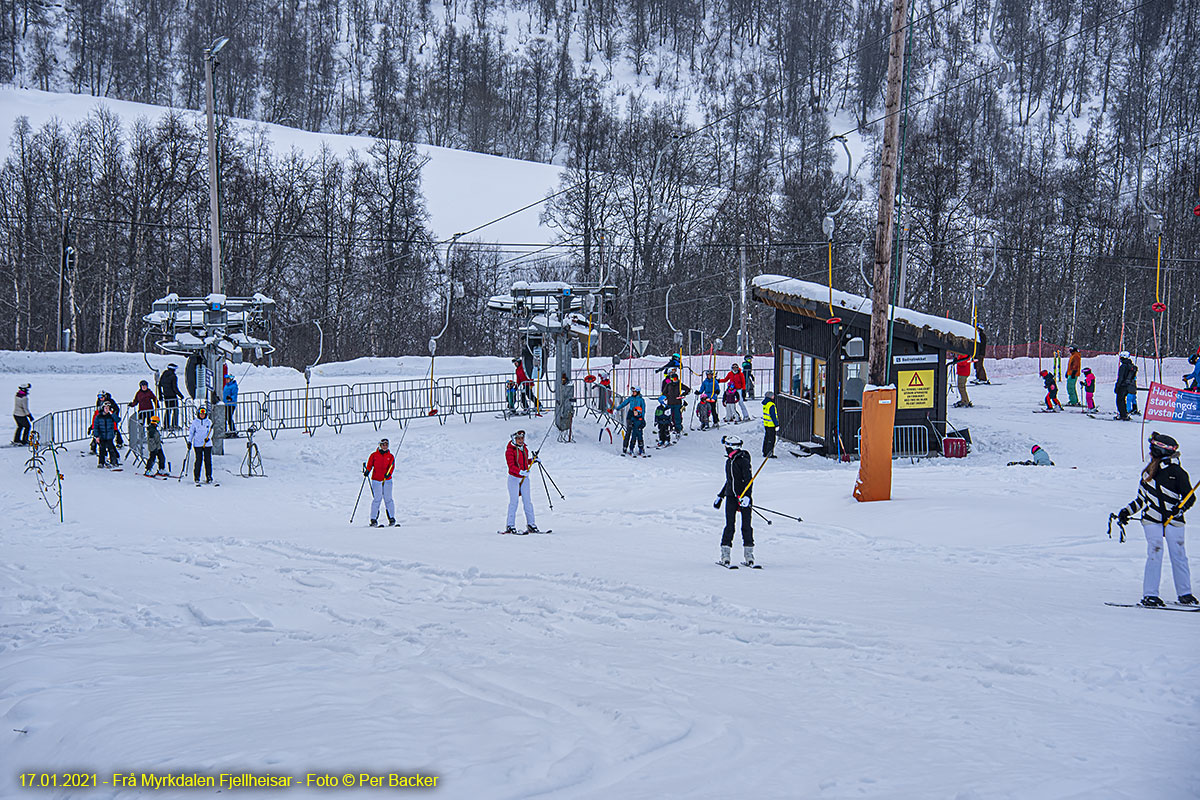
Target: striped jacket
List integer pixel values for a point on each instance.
(1158, 497)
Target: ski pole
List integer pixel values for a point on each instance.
(546, 474)
(751, 483)
(547, 488)
(361, 486)
(778, 513)
(764, 516)
(1179, 508)
(183, 469)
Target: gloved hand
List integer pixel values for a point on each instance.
(189, 445)
(1123, 516)
(365, 470)
(524, 473)
(717, 502)
(744, 502)
(120, 442)
(535, 452)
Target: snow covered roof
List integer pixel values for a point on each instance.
(506, 302)
(816, 296)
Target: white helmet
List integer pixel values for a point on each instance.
(1123, 354)
(732, 442)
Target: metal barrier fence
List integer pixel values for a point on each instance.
(335, 405)
(908, 441)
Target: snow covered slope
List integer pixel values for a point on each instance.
(951, 643)
(462, 189)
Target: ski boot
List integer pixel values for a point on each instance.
(1188, 600)
(391, 521)
(531, 528)
(148, 473)
(726, 553)
(748, 552)
(1150, 601)
(374, 523)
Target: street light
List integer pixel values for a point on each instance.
(210, 54)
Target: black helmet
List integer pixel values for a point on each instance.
(1193, 358)
(1162, 446)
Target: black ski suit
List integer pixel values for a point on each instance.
(1126, 385)
(738, 475)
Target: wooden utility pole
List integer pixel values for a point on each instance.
(885, 230)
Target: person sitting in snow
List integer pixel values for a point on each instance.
(1052, 403)
(1040, 459)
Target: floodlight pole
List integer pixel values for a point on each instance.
(210, 54)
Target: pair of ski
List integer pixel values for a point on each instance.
(635, 455)
(522, 533)
(1164, 607)
(735, 566)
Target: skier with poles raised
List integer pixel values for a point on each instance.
(1164, 494)
(520, 488)
(737, 490)
(380, 466)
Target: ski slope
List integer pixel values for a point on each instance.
(951, 643)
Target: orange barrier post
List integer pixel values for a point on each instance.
(875, 449)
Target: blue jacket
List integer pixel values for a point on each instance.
(633, 401)
(711, 388)
(231, 390)
(105, 427)
(1194, 377)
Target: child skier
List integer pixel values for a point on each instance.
(1191, 382)
(663, 422)
(635, 421)
(154, 449)
(520, 488)
(510, 395)
(1052, 403)
(1164, 494)
(1089, 389)
(709, 390)
(748, 375)
(104, 428)
(737, 490)
(735, 380)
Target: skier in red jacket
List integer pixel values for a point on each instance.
(525, 387)
(737, 381)
(519, 485)
(380, 467)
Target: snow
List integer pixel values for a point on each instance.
(462, 190)
(862, 305)
(950, 643)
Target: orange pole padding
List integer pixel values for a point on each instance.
(875, 456)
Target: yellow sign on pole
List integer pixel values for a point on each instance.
(915, 388)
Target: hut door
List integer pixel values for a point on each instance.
(819, 398)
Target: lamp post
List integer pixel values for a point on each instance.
(210, 56)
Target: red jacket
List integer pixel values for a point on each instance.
(522, 378)
(518, 459)
(144, 400)
(736, 379)
(963, 366)
(381, 465)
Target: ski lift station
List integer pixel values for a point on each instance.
(821, 371)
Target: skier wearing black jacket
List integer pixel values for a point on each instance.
(1126, 384)
(1165, 493)
(169, 394)
(737, 490)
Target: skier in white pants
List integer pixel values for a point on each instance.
(380, 466)
(519, 485)
(1165, 493)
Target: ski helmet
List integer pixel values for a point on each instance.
(1123, 354)
(1073, 349)
(172, 366)
(1044, 373)
(662, 399)
(143, 383)
(1034, 449)
(769, 396)
(154, 419)
(202, 411)
(731, 442)
(635, 390)
(1162, 446)
(25, 386)
(1193, 358)
(735, 368)
(1087, 370)
(383, 443)
(517, 435)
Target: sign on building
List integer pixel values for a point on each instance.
(915, 388)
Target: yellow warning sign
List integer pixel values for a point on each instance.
(916, 389)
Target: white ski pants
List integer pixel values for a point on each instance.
(1179, 564)
(519, 491)
(382, 491)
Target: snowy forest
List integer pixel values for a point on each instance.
(1039, 137)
